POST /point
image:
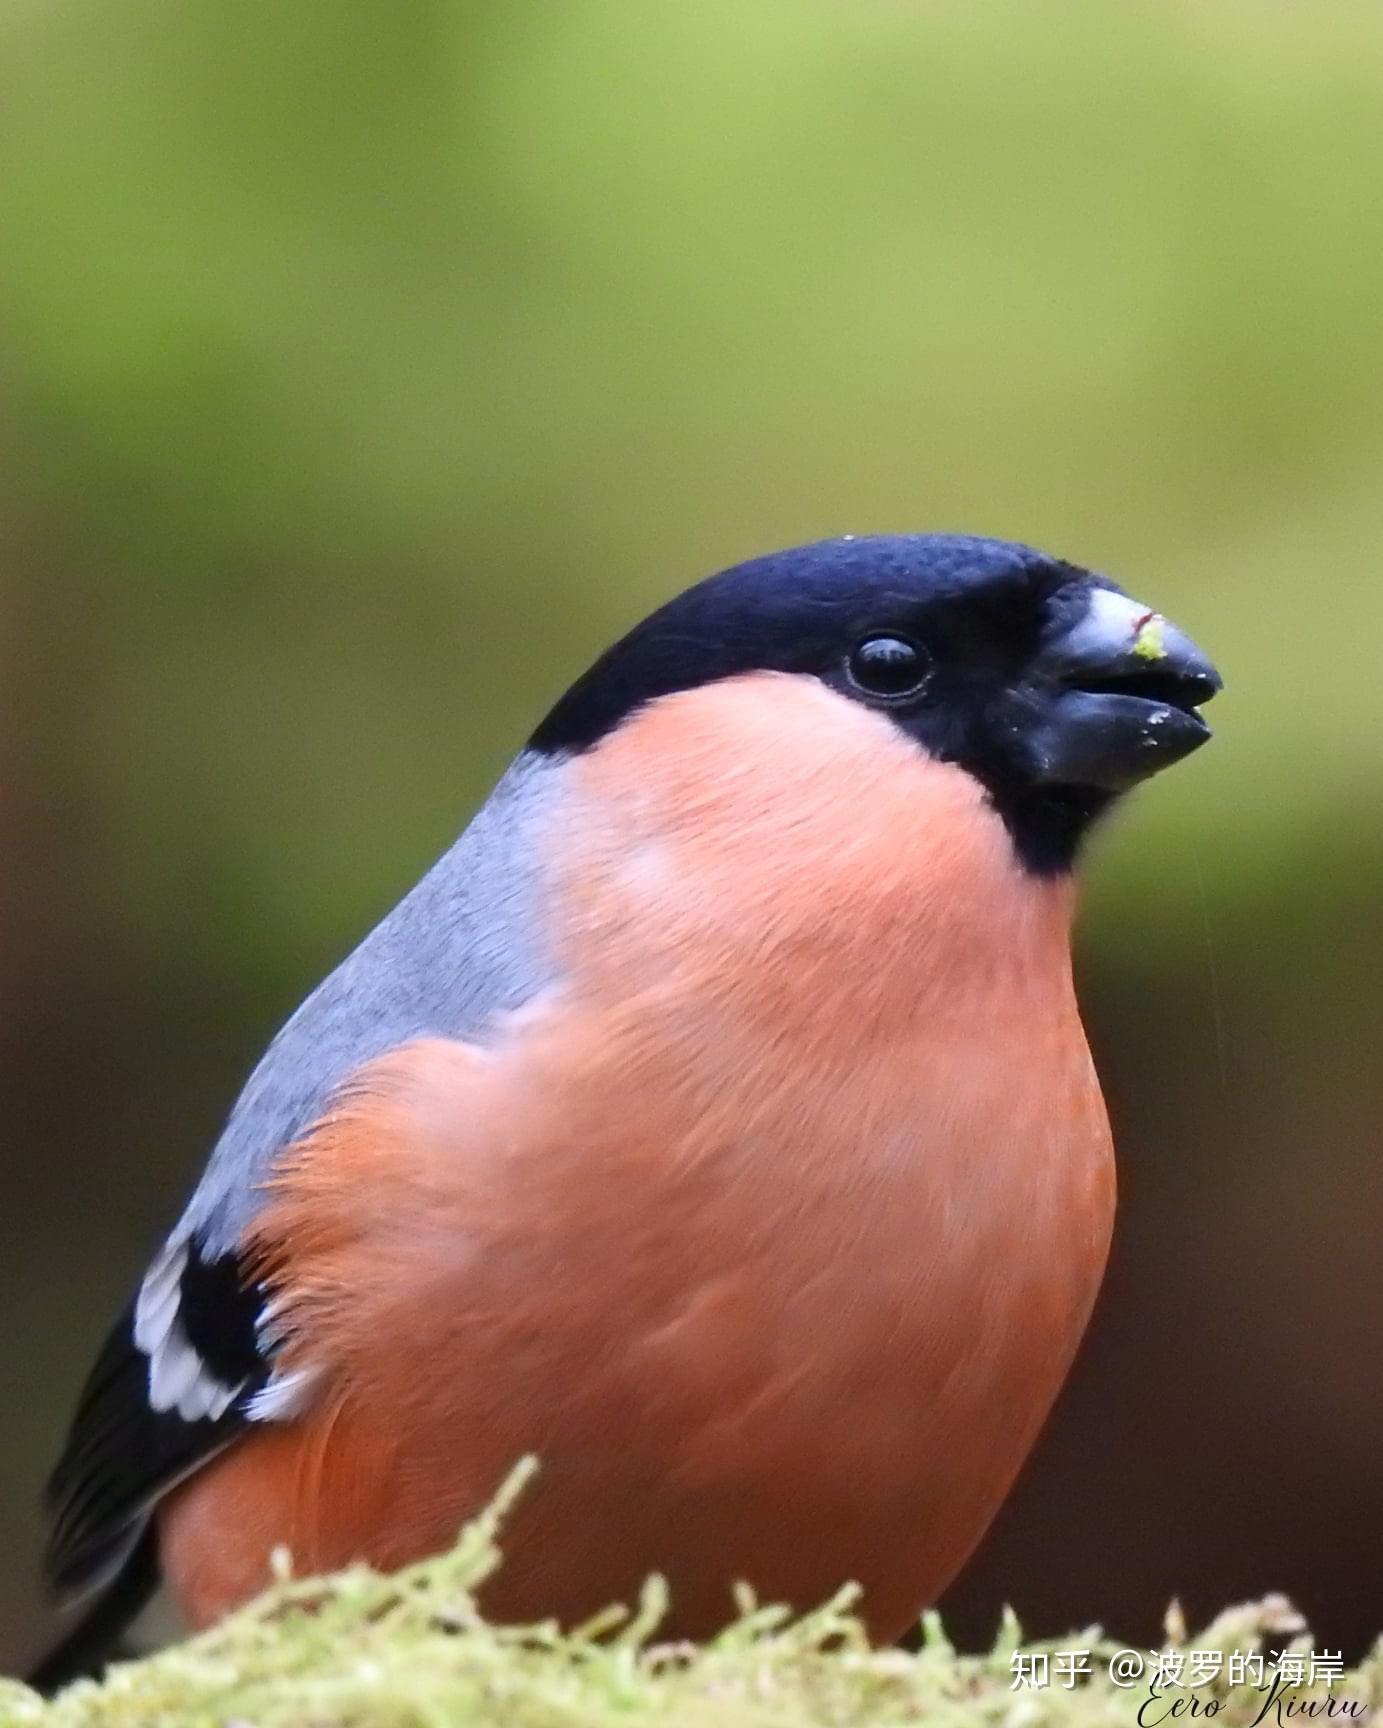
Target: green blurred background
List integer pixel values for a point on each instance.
(365, 367)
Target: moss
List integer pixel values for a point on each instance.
(409, 1650)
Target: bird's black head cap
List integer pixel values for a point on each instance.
(1043, 680)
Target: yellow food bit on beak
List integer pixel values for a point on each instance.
(1148, 644)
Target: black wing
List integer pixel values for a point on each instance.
(122, 1454)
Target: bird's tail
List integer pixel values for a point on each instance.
(86, 1647)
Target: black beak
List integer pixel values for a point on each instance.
(1117, 693)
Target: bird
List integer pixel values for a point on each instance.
(714, 1122)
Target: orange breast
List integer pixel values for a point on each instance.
(772, 1232)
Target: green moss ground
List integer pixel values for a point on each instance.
(362, 1650)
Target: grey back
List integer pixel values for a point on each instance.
(464, 946)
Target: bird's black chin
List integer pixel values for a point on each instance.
(1047, 825)
(1057, 760)
(1048, 829)
(1110, 696)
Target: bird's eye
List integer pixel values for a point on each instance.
(888, 668)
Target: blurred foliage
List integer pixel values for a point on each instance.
(364, 368)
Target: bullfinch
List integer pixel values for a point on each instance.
(714, 1121)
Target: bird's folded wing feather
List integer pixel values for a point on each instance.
(192, 1361)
